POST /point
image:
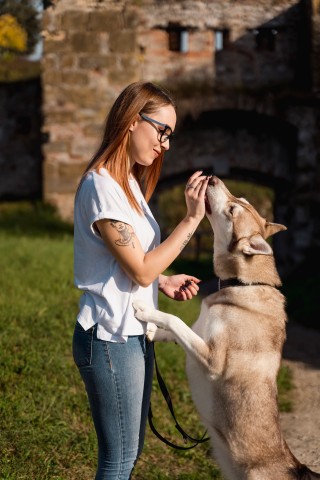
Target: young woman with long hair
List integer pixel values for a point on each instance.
(118, 257)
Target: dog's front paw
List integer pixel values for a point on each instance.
(142, 311)
(151, 331)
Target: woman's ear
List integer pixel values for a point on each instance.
(134, 123)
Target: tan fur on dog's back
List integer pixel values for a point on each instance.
(246, 359)
(234, 349)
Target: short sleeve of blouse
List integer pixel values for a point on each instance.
(102, 197)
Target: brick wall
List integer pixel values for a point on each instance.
(268, 69)
(93, 49)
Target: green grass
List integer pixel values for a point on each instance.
(45, 424)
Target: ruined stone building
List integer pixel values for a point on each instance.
(245, 75)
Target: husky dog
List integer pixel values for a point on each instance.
(234, 349)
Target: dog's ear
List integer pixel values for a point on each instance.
(272, 228)
(256, 245)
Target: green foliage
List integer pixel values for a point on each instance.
(19, 33)
(15, 68)
(45, 423)
(285, 385)
(201, 243)
(32, 219)
(262, 198)
(169, 217)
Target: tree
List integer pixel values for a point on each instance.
(19, 26)
(12, 36)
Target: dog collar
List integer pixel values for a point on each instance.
(235, 282)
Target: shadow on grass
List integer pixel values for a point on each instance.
(32, 219)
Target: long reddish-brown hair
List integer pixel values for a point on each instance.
(144, 97)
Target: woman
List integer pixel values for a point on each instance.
(119, 257)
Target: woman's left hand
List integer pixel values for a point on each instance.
(179, 287)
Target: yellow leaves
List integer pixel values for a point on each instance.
(13, 37)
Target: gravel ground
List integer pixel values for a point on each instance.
(301, 427)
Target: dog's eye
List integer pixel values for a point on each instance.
(231, 209)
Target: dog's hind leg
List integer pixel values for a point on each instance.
(189, 340)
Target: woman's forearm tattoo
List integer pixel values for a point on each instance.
(126, 233)
(186, 241)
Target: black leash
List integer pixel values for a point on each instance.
(167, 398)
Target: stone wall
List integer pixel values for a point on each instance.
(248, 108)
(88, 58)
(93, 49)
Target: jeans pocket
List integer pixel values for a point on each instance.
(82, 345)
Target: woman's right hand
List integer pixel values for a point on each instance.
(195, 193)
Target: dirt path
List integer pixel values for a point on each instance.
(301, 427)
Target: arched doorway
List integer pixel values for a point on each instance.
(244, 146)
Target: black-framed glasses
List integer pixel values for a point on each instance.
(165, 134)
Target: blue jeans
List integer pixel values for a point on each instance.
(118, 381)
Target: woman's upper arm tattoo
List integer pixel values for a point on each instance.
(126, 233)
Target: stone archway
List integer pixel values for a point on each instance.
(240, 145)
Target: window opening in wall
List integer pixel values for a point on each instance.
(178, 38)
(221, 39)
(265, 39)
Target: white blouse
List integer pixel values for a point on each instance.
(108, 292)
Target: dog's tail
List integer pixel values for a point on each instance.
(304, 473)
